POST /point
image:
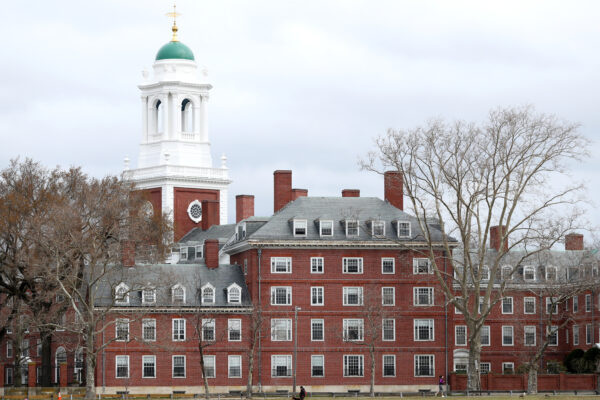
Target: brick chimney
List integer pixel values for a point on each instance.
(299, 193)
(127, 253)
(351, 193)
(574, 241)
(393, 188)
(210, 214)
(211, 253)
(244, 207)
(282, 193)
(496, 233)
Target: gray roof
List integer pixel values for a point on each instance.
(222, 232)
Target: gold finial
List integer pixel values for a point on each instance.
(174, 15)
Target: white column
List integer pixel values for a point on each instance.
(169, 118)
(203, 118)
(223, 206)
(197, 117)
(145, 119)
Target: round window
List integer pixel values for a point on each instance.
(195, 211)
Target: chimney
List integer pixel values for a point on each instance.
(127, 253)
(496, 233)
(282, 193)
(244, 207)
(210, 214)
(574, 241)
(211, 253)
(299, 193)
(351, 193)
(393, 188)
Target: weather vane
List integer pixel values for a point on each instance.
(174, 15)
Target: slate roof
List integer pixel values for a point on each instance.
(214, 232)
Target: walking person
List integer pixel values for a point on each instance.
(302, 393)
(441, 386)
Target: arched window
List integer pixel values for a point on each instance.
(122, 294)
(208, 294)
(178, 294)
(234, 294)
(159, 118)
(59, 358)
(187, 116)
(506, 273)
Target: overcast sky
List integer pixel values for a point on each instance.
(301, 85)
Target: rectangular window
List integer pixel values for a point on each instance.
(485, 335)
(485, 367)
(122, 366)
(575, 304)
(316, 265)
(507, 336)
(183, 253)
(300, 227)
(208, 330)
(378, 228)
(25, 348)
(422, 266)
(507, 305)
(38, 347)
(122, 330)
(234, 329)
(388, 296)
(353, 330)
(460, 335)
(529, 339)
(317, 330)
(588, 334)
(423, 296)
(508, 368)
(588, 303)
(550, 273)
(281, 329)
(281, 295)
(209, 366)
(178, 366)
(424, 365)
(199, 252)
(575, 335)
(423, 329)
(352, 228)
(551, 305)
(529, 273)
(389, 329)
(149, 330)
(403, 229)
(389, 365)
(9, 349)
(387, 265)
(281, 265)
(353, 365)
(149, 296)
(353, 296)
(178, 329)
(317, 365)
(149, 366)
(234, 366)
(9, 376)
(529, 305)
(352, 265)
(326, 228)
(281, 365)
(316, 296)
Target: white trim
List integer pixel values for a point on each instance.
(312, 365)
(359, 265)
(387, 259)
(196, 219)
(431, 363)
(525, 299)
(316, 321)
(383, 356)
(230, 298)
(312, 296)
(512, 335)
(316, 260)
(299, 224)
(125, 357)
(321, 228)
(232, 357)
(286, 260)
(288, 295)
(155, 367)
(398, 230)
(204, 287)
(173, 366)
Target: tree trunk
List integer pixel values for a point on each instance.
(473, 378)
(204, 378)
(17, 372)
(372, 353)
(90, 364)
(250, 371)
(46, 338)
(532, 378)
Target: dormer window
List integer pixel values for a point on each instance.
(403, 228)
(183, 253)
(122, 294)
(551, 273)
(149, 296)
(529, 273)
(378, 228)
(485, 273)
(234, 294)
(300, 227)
(240, 234)
(199, 249)
(506, 272)
(326, 228)
(178, 294)
(351, 228)
(208, 294)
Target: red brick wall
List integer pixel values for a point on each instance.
(574, 241)
(211, 253)
(282, 190)
(210, 213)
(299, 193)
(183, 197)
(394, 188)
(496, 233)
(244, 207)
(458, 382)
(351, 193)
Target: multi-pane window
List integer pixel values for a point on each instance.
(25, 348)
(122, 366)
(551, 305)
(485, 367)
(199, 249)
(423, 296)
(575, 304)
(403, 229)
(178, 367)
(529, 305)
(354, 365)
(208, 329)
(378, 228)
(149, 366)
(38, 347)
(281, 329)
(281, 295)
(389, 329)
(149, 296)
(317, 365)
(485, 335)
(234, 294)
(281, 265)
(352, 265)
(178, 329)
(507, 336)
(234, 366)
(122, 329)
(529, 273)
(529, 339)
(551, 273)
(208, 294)
(484, 273)
(388, 296)
(300, 227)
(508, 368)
(149, 330)
(389, 365)
(234, 329)
(588, 303)
(422, 266)
(423, 329)
(317, 329)
(326, 228)
(352, 228)
(122, 294)
(506, 273)
(460, 335)
(183, 253)
(588, 334)
(507, 305)
(387, 265)
(316, 265)
(281, 365)
(575, 335)
(209, 366)
(8, 371)
(316, 296)
(552, 332)
(9, 349)
(424, 365)
(353, 296)
(178, 294)
(353, 329)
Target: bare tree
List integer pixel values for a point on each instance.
(509, 171)
(255, 334)
(207, 335)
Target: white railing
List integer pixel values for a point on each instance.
(176, 171)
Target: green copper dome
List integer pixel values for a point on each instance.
(174, 50)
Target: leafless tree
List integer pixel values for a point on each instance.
(255, 334)
(510, 171)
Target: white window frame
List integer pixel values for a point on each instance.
(234, 294)
(575, 335)
(484, 273)
(507, 301)
(317, 265)
(149, 295)
(122, 324)
(152, 359)
(575, 303)
(288, 295)
(485, 367)
(549, 329)
(359, 265)
(182, 357)
(417, 267)
(298, 226)
(529, 269)
(508, 366)
(506, 273)
(208, 328)
(234, 325)
(183, 253)
(275, 362)
(313, 365)
(287, 329)
(383, 365)
(175, 297)
(314, 322)
(121, 357)
(430, 296)
(178, 334)
(379, 224)
(278, 262)
(551, 302)
(489, 335)
(199, 250)
(529, 329)
(512, 335)
(9, 349)
(385, 260)
(360, 364)
(210, 362)
(427, 324)
(385, 298)
(384, 329)
(327, 221)
(150, 323)
(550, 276)
(402, 230)
(124, 298)
(347, 227)
(528, 299)
(431, 362)
(210, 287)
(231, 364)
(346, 295)
(318, 293)
(354, 323)
(457, 335)
(588, 334)
(588, 303)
